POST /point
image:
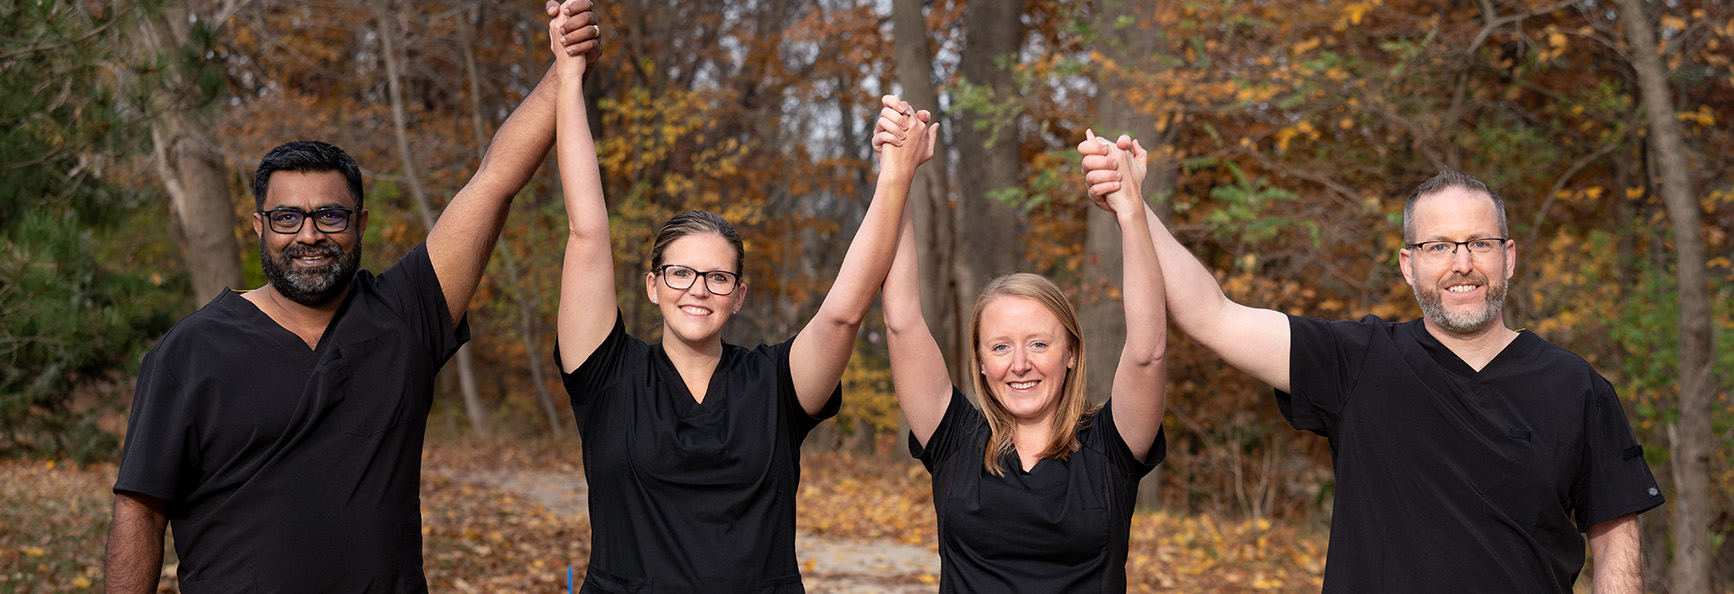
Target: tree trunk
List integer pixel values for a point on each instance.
(987, 230)
(1691, 437)
(190, 167)
(388, 29)
(527, 302)
(930, 192)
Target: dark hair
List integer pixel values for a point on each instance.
(1447, 179)
(305, 156)
(694, 222)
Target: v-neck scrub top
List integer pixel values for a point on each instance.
(1062, 526)
(1451, 480)
(688, 496)
(289, 469)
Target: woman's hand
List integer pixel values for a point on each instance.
(904, 138)
(1114, 172)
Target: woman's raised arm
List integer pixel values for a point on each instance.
(822, 350)
(1140, 382)
(587, 302)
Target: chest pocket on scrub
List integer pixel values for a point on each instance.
(370, 381)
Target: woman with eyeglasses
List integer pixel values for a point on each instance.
(692, 445)
(1034, 490)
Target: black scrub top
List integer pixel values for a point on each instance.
(1451, 480)
(1062, 526)
(688, 496)
(289, 469)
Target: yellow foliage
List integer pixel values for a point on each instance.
(1671, 23)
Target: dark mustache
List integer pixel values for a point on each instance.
(323, 248)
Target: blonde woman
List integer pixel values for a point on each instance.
(1034, 491)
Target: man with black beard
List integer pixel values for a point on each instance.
(278, 431)
(1469, 457)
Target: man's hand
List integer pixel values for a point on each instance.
(575, 30)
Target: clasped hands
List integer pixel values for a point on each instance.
(899, 135)
(574, 33)
(1114, 172)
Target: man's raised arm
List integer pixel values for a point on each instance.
(1254, 340)
(463, 238)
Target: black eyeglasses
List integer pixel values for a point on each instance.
(681, 278)
(1478, 248)
(287, 220)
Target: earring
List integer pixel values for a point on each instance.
(653, 300)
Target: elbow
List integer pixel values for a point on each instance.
(1145, 356)
(849, 320)
(902, 322)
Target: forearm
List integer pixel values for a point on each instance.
(522, 141)
(1143, 293)
(1618, 555)
(134, 561)
(870, 254)
(462, 239)
(1193, 296)
(823, 348)
(1253, 340)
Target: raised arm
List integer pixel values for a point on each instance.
(587, 301)
(918, 371)
(1140, 382)
(135, 544)
(822, 349)
(1254, 340)
(463, 238)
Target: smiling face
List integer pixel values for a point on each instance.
(1024, 353)
(696, 315)
(310, 267)
(1459, 293)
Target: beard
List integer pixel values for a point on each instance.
(1433, 306)
(310, 286)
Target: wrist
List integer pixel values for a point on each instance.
(895, 174)
(1129, 211)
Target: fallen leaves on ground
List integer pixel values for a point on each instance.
(55, 517)
(503, 517)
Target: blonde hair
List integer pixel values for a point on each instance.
(1072, 413)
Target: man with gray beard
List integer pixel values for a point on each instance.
(1469, 457)
(278, 431)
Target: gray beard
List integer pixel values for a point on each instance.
(310, 286)
(1433, 307)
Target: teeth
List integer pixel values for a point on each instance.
(1023, 385)
(697, 311)
(1461, 289)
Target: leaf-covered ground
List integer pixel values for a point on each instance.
(511, 518)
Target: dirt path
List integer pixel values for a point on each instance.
(828, 565)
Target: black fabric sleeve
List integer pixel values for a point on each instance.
(606, 365)
(959, 423)
(160, 455)
(1616, 480)
(1113, 445)
(412, 289)
(800, 422)
(1323, 358)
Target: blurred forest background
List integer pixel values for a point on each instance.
(1284, 136)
